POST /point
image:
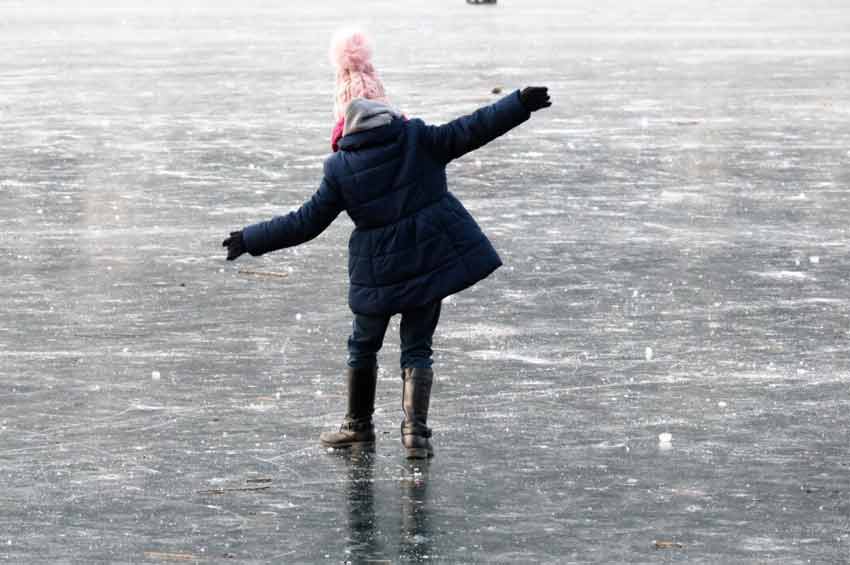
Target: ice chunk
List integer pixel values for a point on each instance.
(665, 441)
(648, 354)
(155, 375)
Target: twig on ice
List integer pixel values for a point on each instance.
(263, 273)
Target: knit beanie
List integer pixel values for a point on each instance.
(351, 56)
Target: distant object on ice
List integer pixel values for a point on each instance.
(480, 1)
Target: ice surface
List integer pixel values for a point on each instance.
(656, 206)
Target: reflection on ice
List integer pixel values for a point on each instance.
(372, 537)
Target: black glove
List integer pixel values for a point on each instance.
(535, 98)
(235, 245)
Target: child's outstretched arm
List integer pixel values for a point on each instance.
(467, 133)
(292, 229)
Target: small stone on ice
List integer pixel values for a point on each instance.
(814, 259)
(721, 404)
(155, 375)
(648, 354)
(665, 440)
(298, 316)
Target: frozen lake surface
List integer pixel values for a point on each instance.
(674, 232)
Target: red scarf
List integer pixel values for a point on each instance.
(337, 133)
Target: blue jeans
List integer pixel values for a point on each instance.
(417, 332)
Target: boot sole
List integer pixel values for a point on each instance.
(347, 445)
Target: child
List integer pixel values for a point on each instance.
(413, 243)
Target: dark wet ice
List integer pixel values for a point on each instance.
(659, 372)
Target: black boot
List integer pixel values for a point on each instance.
(415, 400)
(357, 427)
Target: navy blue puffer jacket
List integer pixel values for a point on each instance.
(413, 241)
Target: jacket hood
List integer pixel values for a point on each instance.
(363, 114)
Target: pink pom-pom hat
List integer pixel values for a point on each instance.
(351, 56)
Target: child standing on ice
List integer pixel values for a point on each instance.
(413, 243)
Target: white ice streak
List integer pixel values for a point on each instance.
(492, 355)
(479, 331)
(784, 275)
